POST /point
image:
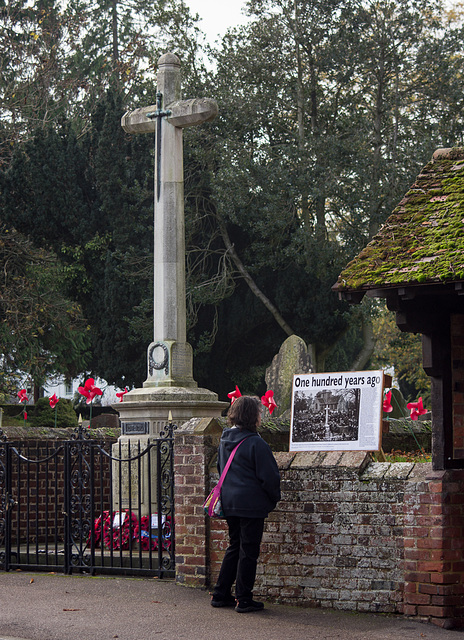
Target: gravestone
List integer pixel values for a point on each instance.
(293, 357)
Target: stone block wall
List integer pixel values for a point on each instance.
(348, 533)
(340, 534)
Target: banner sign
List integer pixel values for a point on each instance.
(337, 411)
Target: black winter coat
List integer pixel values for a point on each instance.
(251, 488)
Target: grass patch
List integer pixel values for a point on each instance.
(407, 456)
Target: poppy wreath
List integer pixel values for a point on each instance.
(97, 527)
(119, 537)
(142, 534)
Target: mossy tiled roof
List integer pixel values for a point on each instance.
(422, 242)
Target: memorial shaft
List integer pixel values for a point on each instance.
(170, 359)
(169, 244)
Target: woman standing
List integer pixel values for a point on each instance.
(251, 490)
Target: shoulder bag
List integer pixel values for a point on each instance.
(212, 506)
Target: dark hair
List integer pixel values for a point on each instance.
(244, 412)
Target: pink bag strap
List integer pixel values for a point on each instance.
(226, 468)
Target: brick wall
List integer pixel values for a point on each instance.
(195, 445)
(434, 543)
(39, 489)
(348, 534)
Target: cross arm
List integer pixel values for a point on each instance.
(138, 122)
(188, 113)
(183, 113)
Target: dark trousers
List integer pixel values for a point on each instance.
(241, 558)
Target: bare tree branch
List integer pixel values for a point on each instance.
(250, 282)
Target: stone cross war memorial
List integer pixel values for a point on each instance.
(169, 355)
(170, 385)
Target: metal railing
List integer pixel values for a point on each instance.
(74, 506)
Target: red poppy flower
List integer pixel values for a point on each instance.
(25, 415)
(89, 390)
(120, 394)
(268, 400)
(22, 395)
(416, 409)
(53, 401)
(387, 407)
(233, 395)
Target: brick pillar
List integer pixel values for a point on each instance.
(195, 443)
(433, 554)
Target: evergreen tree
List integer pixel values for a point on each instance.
(90, 198)
(87, 202)
(42, 332)
(124, 207)
(45, 190)
(38, 86)
(327, 111)
(278, 137)
(315, 144)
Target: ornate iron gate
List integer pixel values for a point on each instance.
(73, 506)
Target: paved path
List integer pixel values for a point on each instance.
(40, 606)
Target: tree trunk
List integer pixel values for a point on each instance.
(300, 108)
(368, 346)
(114, 25)
(377, 148)
(38, 392)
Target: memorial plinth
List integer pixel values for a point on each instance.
(145, 411)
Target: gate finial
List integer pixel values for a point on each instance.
(80, 433)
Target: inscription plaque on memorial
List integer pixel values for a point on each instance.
(127, 473)
(135, 428)
(182, 358)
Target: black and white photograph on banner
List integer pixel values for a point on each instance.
(337, 411)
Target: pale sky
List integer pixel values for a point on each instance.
(217, 15)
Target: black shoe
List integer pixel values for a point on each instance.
(218, 601)
(245, 606)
